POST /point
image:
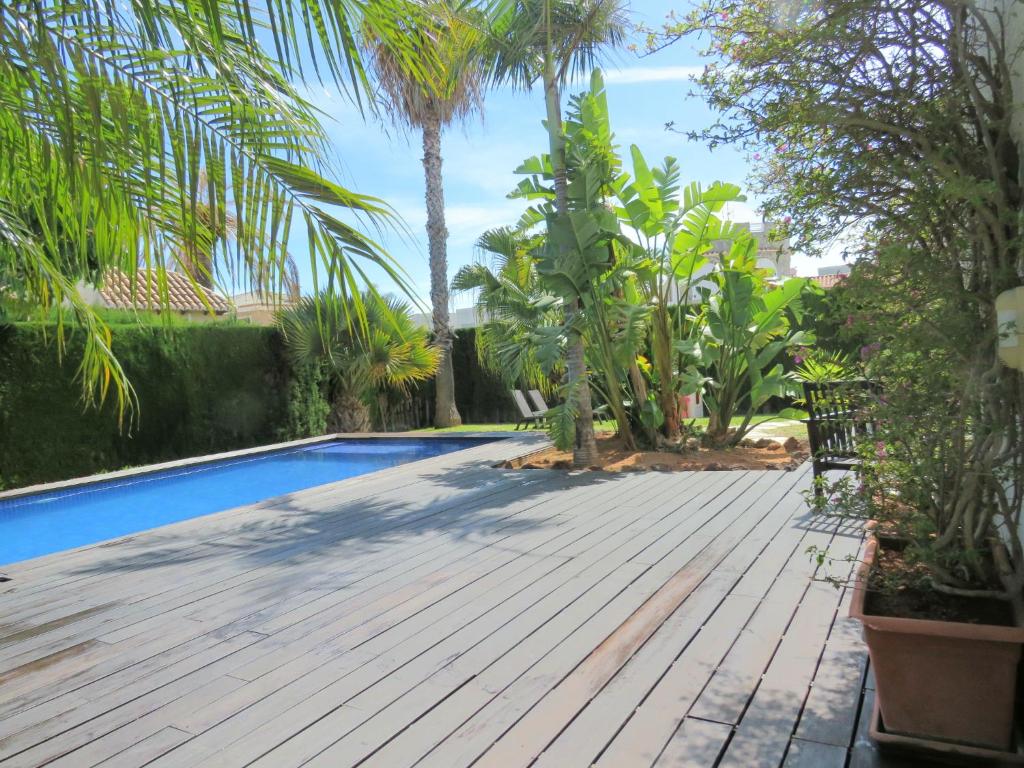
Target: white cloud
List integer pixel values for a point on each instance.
(632, 75)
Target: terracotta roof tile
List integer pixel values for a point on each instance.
(117, 291)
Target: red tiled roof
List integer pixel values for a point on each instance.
(119, 292)
(828, 281)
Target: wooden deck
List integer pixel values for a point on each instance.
(446, 613)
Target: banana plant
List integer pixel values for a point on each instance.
(675, 229)
(745, 324)
(581, 259)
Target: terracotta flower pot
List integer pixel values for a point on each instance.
(941, 680)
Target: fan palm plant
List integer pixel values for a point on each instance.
(549, 41)
(114, 114)
(392, 352)
(431, 98)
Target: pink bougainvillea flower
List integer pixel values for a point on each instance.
(880, 451)
(869, 350)
(787, 220)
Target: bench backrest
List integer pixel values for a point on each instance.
(836, 415)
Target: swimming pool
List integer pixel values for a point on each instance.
(51, 521)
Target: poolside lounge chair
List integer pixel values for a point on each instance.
(538, 401)
(836, 419)
(542, 407)
(527, 415)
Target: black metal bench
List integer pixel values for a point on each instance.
(837, 418)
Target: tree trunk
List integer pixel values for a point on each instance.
(445, 412)
(349, 414)
(667, 399)
(584, 452)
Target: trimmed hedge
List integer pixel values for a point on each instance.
(480, 395)
(202, 388)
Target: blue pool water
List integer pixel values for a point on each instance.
(72, 517)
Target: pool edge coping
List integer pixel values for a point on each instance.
(120, 474)
(22, 568)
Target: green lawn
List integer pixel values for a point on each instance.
(768, 426)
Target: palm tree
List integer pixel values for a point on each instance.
(512, 307)
(549, 41)
(394, 353)
(114, 114)
(430, 100)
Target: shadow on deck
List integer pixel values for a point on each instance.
(447, 613)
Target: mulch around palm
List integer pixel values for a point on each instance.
(614, 457)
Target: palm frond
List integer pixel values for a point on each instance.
(135, 132)
(392, 352)
(447, 81)
(574, 33)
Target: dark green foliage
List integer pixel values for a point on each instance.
(480, 394)
(307, 408)
(202, 388)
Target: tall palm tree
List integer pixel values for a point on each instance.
(114, 114)
(549, 41)
(431, 98)
(393, 354)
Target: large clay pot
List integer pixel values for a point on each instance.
(941, 680)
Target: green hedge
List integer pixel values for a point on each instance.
(201, 388)
(480, 395)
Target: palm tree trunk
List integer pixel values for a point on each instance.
(349, 414)
(446, 414)
(584, 452)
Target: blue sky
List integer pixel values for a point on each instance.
(644, 93)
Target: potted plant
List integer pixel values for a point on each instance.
(940, 584)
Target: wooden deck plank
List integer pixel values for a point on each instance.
(726, 697)
(57, 572)
(146, 750)
(318, 694)
(830, 715)
(324, 732)
(443, 614)
(483, 548)
(358, 523)
(614, 704)
(568, 674)
(763, 733)
(582, 625)
(228, 537)
(507, 556)
(696, 744)
(639, 741)
(812, 754)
